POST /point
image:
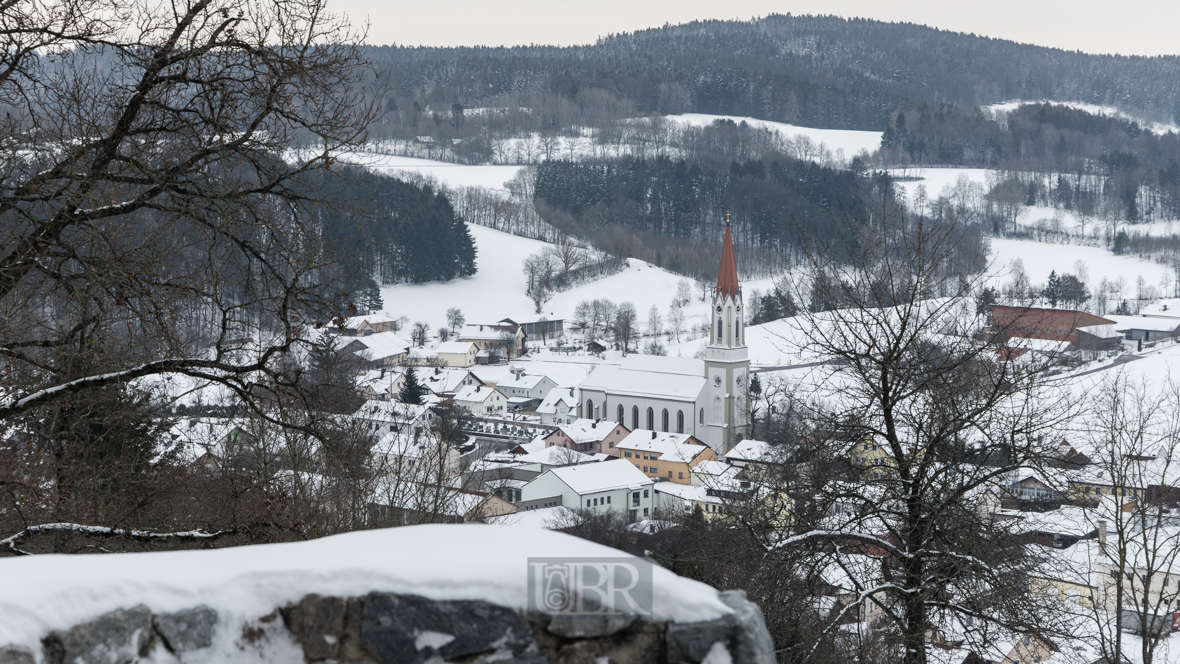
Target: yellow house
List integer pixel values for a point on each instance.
(664, 455)
(871, 457)
(1065, 591)
(457, 353)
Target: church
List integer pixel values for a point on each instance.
(706, 398)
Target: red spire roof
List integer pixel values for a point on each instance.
(727, 279)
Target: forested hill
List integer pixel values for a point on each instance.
(816, 71)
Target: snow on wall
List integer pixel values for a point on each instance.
(439, 562)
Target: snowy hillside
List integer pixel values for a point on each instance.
(851, 142)
(498, 288)
(450, 175)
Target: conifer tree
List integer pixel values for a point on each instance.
(412, 391)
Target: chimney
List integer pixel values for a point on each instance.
(653, 435)
(1102, 534)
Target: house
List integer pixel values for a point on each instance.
(363, 326)
(456, 353)
(1045, 324)
(525, 390)
(379, 349)
(507, 340)
(482, 401)
(560, 406)
(1147, 328)
(442, 380)
(673, 498)
(610, 486)
(381, 384)
(424, 142)
(596, 346)
(588, 436)
(1099, 338)
(667, 456)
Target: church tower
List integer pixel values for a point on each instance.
(727, 361)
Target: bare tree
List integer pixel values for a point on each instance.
(419, 333)
(150, 203)
(928, 425)
(675, 322)
(626, 326)
(455, 319)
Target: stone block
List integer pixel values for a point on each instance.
(743, 634)
(187, 630)
(585, 626)
(407, 629)
(118, 637)
(318, 624)
(642, 643)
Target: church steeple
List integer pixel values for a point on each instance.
(727, 364)
(727, 278)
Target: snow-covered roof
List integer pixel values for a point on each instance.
(373, 319)
(1149, 323)
(423, 353)
(670, 446)
(1101, 331)
(244, 582)
(605, 476)
(749, 450)
(553, 518)
(523, 381)
(555, 396)
(1166, 308)
(714, 468)
(391, 411)
(482, 332)
(475, 393)
(584, 431)
(382, 344)
(667, 385)
(687, 492)
(682, 366)
(446, 380)
(455, 347)
(557, 456)
(1038, 345)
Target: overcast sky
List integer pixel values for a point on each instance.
(1140, 27)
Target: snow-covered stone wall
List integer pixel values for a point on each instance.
(377, 596)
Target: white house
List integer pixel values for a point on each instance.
(380, 349)
(609, 486)
(457, 353)
(706, 398)
(524, 389)
(482, 401)
(560, 406)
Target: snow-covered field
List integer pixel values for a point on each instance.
(1040, 258)
(851, 142)
(450, 175)
(498, 288)
(935, 180)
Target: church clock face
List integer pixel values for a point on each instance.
(716, 381)
(740, 380)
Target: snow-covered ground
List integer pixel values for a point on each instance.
(935, 180)
(1040, 258)
(497, 290)
(450, 175)
(851, 142)
(1155, 127)
(441, 562)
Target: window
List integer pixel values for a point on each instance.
(680, 421)
(635, 499)
(645, 511)
(651, 419)
(608, 500)
(634, 417)
(589, 409)
(702, 416)
(681, 475)
(737, 335)
(719, 335)
(627, 454)
(669, 474)
(620, 417)
(645, 493)
(664, 421)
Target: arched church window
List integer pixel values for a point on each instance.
(737, 335)
(680, 421)
(620, 417)
(717, 410)
(664, 421)
(651, 419)
(702, 416)
(634, 417)
(589, 409)
(720, 336)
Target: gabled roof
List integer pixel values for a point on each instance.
(557, 395)
(476, 393)
(727, 279)
(748, 450)
(455, 347)
(604, 476)
(649, 382)
(1149, 323)
(583, 431)
(670, 446)
(382, 344)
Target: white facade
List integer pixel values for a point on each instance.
(607, 486)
